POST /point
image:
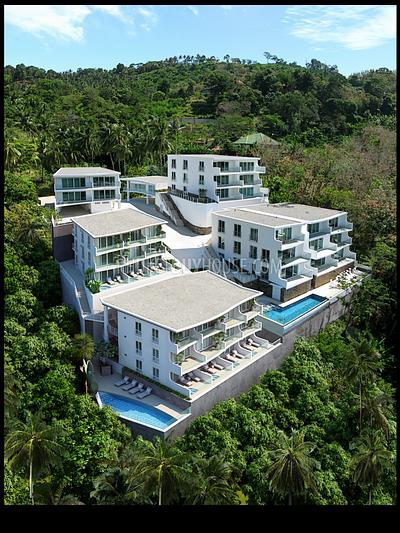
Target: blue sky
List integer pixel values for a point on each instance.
(62, 37)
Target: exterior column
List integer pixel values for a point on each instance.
(105, 333)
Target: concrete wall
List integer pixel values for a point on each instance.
(325, 278)
(289, 294)
(249, 376)
(62, 242)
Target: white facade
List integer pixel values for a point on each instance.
(281, 251)
(98, 189)
(119, 253)
(215, 177)
(202, 183)
(168, 356)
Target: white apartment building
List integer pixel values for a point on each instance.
(202, 183)
(118, 243)
(146, 186)
(291, 248)
(86, 189)
(171, 330)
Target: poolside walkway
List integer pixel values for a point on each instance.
(106, 384)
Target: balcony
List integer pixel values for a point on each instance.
(119, 245)
(293, 260)
(59, 187)
(326, 251)
(284, 244)
(183, 343)
(320, 233)
(232, 197)
(231, 322)
(230, 184)
(293, 281)
(343, 227)
(252, 312)
(70, 202)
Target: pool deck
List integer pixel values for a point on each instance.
(106, 384)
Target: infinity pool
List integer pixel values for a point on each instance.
(284, 315)
(137, 411)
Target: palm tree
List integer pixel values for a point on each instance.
(376, 409)
(114, 487)
(52, 493)
(292, 469)
(160, 466)
(211, 483)
(82, 347)
(31, 229)
(370, 460)
(11, 400)
(33, 444)
(362, 365)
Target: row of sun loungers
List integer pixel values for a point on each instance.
(134, 387)
(135, 275)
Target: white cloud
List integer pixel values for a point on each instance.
(357, 27)
(115, 11)
(193, 9)
(67, 22)
(64, 22)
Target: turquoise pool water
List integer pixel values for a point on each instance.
(137, 411)
(284, 315)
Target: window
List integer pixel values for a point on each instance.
(237, 247)
(154, 335)
(333, 223)
(184, 188)
(316, 244)
(107, 181)
(185, 179)
(138, 328)
(74, 196)
(173, 163)
(286, 255)
(264, 255)
(173, 175)
(138, 348)
(248, 179)
(317, 263)
(89, 256)
(247, 191)
(246, 165)
(284, 234)
(237, 230)
(221, 226)
(156, 373)
(222, 193)
(173, 186)
(339, 254)
(253, 252)
(222, 180)
(313, 228)
(221, 243)
(106, 194)
(202, 193)
(289, 272)
(156, 356)
(201, 180)
(201, 166)
(185, 164)
(254, 234)
(223, 165)
(139, 365)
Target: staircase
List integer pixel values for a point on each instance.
(216, 264)
(171, 209)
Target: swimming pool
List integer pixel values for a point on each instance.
(137, 411)
(287, 314)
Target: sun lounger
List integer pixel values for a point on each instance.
(218, 367)
(161, 266)
(229, 358)
(212, 370)
(140, 272)
(139, 388)
(192, 376)
(110, 281)
(238, 355)
(119, 279)
(123, 381)
(147, 392)
(255, 344)
(130, 385)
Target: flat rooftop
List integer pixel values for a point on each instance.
(298, 212)
(116, 221)
(182, 302)
(153, 180)
(256, 218)
(74, 172)
(220, 157)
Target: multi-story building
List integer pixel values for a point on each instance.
(147, 186)
(86, 189)
(170, 331)
(200, 184)
(118, 243)
(291, 248)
